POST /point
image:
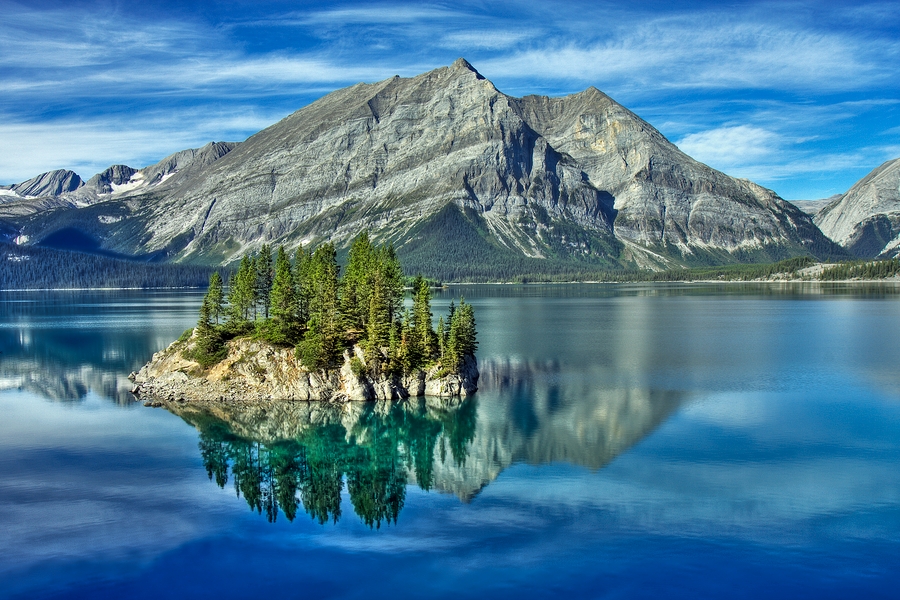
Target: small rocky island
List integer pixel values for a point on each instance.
(296, 330)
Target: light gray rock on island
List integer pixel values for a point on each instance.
(255, 371)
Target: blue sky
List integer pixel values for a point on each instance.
(802, 97)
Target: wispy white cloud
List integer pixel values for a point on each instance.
(768, 157)
(487, 39)
(89, 146)
(731, 146)
(708, 52)
(382, 13)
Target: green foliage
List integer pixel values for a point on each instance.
(461, 336)
(215, 297)
(321, 314)
(426, 339)
(357, 366)
(285, 306)
(264, 279)
(242, 292)
(30, 267)
(879, 269)
(375, 457)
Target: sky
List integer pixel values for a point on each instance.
(802, 97)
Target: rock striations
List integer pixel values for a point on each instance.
(255, 371)
(445, 156)
(866, 220)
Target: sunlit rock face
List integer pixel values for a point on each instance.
(52, 183)
(866, 220)
(445, 157)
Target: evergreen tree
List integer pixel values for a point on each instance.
(209, 348)
(242, 293)
(378, 330)
(426, 338)
(441, 337)
(461, 340)
(323, 339)
(215, 297)
(264, 278)
(392, 280)
(284, 305)
(356, 285)
(303, 283)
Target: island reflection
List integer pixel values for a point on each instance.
(290, 457)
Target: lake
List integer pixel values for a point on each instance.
(626, 441)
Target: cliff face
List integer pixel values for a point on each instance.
(446, 158)
(255, 371)
(866, 220)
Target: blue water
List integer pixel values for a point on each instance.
(625, 442)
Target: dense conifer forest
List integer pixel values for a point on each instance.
(306, 304)
(32, 268)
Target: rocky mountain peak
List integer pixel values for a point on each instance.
(866, 220)
(52, 183)
(445, 160)
(461, 64)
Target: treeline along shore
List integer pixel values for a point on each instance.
(35, 268)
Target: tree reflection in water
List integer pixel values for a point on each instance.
(376, 456)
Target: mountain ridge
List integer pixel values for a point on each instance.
(533, 183)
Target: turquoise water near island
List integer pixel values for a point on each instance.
(627, 441)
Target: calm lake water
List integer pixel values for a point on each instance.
(626, 442)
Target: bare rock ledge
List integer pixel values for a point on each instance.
(255, 371)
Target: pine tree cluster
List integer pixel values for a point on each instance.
(305, 303)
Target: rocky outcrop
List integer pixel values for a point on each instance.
(445, 157)
(866, 220)
(254, 371)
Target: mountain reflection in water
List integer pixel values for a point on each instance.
(290, 456)
(377, 448)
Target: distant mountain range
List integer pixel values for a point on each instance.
(467, 182)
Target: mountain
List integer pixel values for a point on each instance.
(866, 220)
(52, 183)
(812, 207)
(466, 181)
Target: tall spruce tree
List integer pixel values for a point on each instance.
(264, 277)
(242, 293)
(209, 347)
(426, 339)
(323, 338)
(356, 284)
(215, 297)
(303, 283)
(461, 336)
(284, 306)
(378, 329)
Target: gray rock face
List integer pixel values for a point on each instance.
(122, 180)
(866, 220)
(116, 175)
(52, 183)
(255, 371)
(812, 207)
(444, 156)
